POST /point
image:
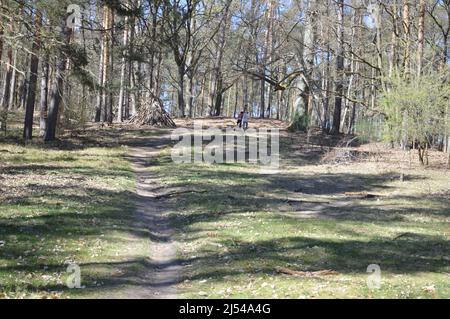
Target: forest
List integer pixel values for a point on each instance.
(341, 66)
(90, 90)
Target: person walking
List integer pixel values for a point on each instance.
(245, 120)
(239, 121)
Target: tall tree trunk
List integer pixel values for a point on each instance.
(44, 95)
(34, 65)
(217, 93)
(269, 50)
(326, 82)
(9, 73)
(99, 106)
(101, 70)
(190, 92)
(340, 71)
(305, 59)
(407, 37)
(23, 88)
(57, 89)
(56, 97)
(110, 69)
(310, 54)
(236, 99)
(262, 104)
(12, 94)
(393, 59)
(245, 97)
(3, 117)
(181, 100)
(130, 96)
(106, 63)
(123, 78)
(2, 33)
(421, 36)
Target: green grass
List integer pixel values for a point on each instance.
(73, 201)
(234, 237)
(64, 206)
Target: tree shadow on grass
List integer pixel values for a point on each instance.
(409, 255)
(215, 199)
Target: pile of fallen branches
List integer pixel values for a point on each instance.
(151, 112)
(321, 273)
(343, 152)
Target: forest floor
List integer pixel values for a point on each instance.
(139, 225)
(75, 201)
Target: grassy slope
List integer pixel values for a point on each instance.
(58, 207)
(233, 238)
(63, 206)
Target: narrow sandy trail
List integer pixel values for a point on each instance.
(150, 211)
(160, 270)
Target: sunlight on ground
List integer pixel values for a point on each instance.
(240, 233)
(240, 228)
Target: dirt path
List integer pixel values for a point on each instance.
(163, 249)
(160, 271)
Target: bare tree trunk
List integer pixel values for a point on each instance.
(2, 33)
(340, 71)
(106, 62)
(9, 73)
(236, 101)
(138, 80)
(270, 44)
(202, 102)
(421, 36)
(190, 92)
(407, 37)
(34, 65)
(122, 93)
(101, 73)
(245, 105)
(99, 106)
(326, 83)
(217, 93)
(57, 90)
(3, 117)
(13, 83)
(229, 102)
(110, 97)
(218, 96)
(353, 69)
(23, 88)
(181, 101)
(262, 105)
(393, 60)
(44, 95)
(130, 101)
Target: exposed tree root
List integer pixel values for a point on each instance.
(180, 193)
